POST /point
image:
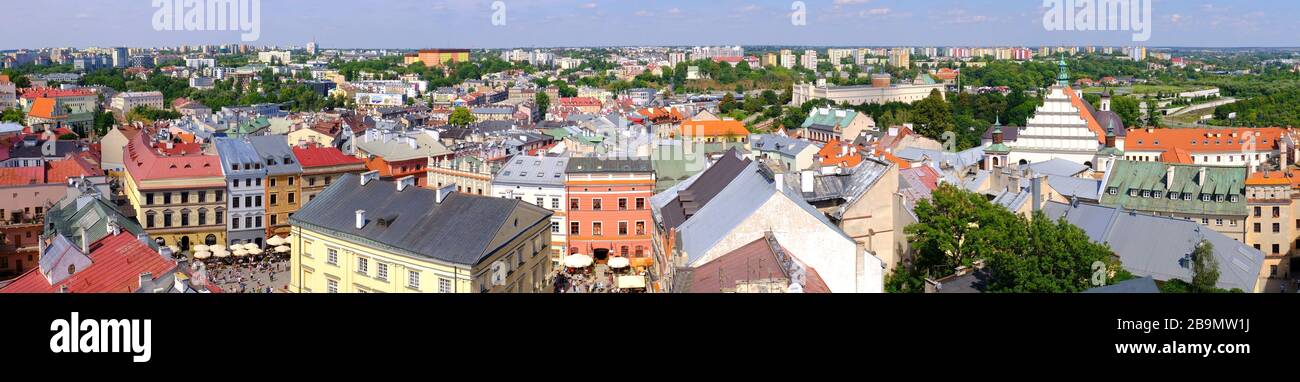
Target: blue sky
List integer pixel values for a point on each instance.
(545, 23)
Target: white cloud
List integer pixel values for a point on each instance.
(588, 5)
(851, 2)
(643, 13)
(675, 11)
(875, 12)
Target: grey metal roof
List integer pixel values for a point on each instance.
(1057, 166)
(748, 191)
(1161, 247)
(460, 230)
(847, 187)
(1137, 285)
(1069, 186)
(689, 200)
(238, 152)
(598, 165)
(532, 171)
(275, 154)
(963, 159)
(779, 143)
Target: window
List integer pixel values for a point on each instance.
(275, 200)
(555, 227)
(259, 200)
(167, 218)
(1112, 191)
(1277, 227)
(234, 223)
(258, 220)
(1218, 222)
(1276, 249)
(274, 219)
(185, 218)
(640, 203)
(203, 195)
(332, 256)
(1277, 211)
(149, 223)
(555, 203)
(363, 265)
(595, 204)
(622, 204)
(640, 228)
(167, 198)
(221, 216)
(381, 271)
(573, 228)
(148, 198)
(311, 181)
(573, 204)
(1272, 271)
(595, 229)
(413, 279)
(291, 199)
(331, 286)
(541, 202)
(1256, 227)
(272, 182)
(218, 196)
(248, 222)
(622, 229)
(291, 181)
(444, 285)
(203, 216)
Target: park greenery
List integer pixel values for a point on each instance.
(1035, 254)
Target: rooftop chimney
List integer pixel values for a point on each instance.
(1169, 177)
(779, 181)
(361, 219)
(806, 181)
(444, 192)
(404, 182)
(368, 176)
(145, 278)
(1200, 177)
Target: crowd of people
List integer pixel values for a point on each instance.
(266, 275)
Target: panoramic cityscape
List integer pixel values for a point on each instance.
(838, 146)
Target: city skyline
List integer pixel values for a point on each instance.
(573, 23)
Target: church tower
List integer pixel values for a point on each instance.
(1108, 153)
(995, 156)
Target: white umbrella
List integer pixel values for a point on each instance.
(254, 251)
(276, 240)
(216, 248)
(199, 248)
(239, 253)
(221, 253)
(202, 255)
(282, 249)
(619, 262)
(250, 246)
(577, 260)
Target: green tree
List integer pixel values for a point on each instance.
(14, 115)
(1127, 109)
(932, 116)
(460, 117)
(1205, 268)
(1153, 113)
(728, 103)
(543, 102)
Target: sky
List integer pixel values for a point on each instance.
(566, 23)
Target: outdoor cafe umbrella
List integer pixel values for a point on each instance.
(202, 255)
(250, 246)
(216, 248)
(239, 253)
(199, 248)
(282, 249)
(577, 260)
(221, 253)
(276, 240)
(254, 251)
(618, 262)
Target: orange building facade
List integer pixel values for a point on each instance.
(609, 208)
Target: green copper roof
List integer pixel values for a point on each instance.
(815, 117)
(1063, 76)
(1224, 186)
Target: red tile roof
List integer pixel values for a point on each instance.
(579, 101)
(71, 166)
(833, 154)
(34, 93)
(18, 176)
(147, 161)
(722, 128)
(44, 108)
(322, 156)
(751, 262)
(116, 264)
(1206, 140)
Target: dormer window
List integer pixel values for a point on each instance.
(1232, 199)
(1173, 195)
(1218, 198)
(1133, 192)
(1187, 196)
(1146, 193)
(1205, 197)
(1112, 190)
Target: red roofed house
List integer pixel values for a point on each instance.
(321, 165)
(581, 104)
(1210, 146)
(838, 153)
(118, 263)
(713, 131)
(176, 191)
(73, 108)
